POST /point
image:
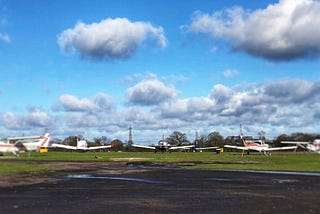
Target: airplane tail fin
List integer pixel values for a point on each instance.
(45, 139)
(243, 140)
(241, 136)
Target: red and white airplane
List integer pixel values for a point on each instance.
(23, 144)
(257, 145)
(309, 146)
(82, 145)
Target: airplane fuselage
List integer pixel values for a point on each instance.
(257, 145)
(7, 147)
(23, 144)
(162, 149)
(315, 147)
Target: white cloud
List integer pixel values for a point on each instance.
(230, 73)
(291, 104)
(110, 39)
(150, 92)
(279, 102)
(33, 119)
(282, 31)
(99, 102)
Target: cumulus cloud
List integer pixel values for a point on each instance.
(283, 31)
(190, 109)
(137, 115)
(110, 38)
(280, 105)
(269, 103)
(34, 119)
(150, 92)
(98, 103)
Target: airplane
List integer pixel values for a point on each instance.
(309, 146)
(17, 145)
(197, 148)
(163, 146)
(257, 145)
(82, 145)
(206, 148)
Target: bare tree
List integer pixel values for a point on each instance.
(178, 138)
(215, 139)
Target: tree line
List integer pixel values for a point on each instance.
(178, 138)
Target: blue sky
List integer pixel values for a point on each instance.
(96, 67)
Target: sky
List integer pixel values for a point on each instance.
(94, 68)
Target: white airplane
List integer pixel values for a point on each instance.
(205, 148)
(82, 145)
(257, 145)
(197, 148)
(309, 146)
(23, 144)
(163, 146)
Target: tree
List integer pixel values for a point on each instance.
(178, 138)
(202, 141)
(71, 140)
(215, 139)
(103, 140)
(56, 140)
(298, 136)
(117, 145)
(262, 135)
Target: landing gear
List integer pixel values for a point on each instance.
(267, 153)
(248, 152)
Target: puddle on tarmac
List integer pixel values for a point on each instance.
(279, 172)
(282, 181)
(222, 179)
(90, 176)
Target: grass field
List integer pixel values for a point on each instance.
(286, 161)
(8, 167)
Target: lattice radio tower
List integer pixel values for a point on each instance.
(130, 142)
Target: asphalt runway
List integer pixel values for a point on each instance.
(122, 188)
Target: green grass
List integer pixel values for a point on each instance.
(6, 168)
(286, 161)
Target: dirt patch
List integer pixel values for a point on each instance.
(18, 179)
(59, 168)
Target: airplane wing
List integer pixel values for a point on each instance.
(237, 147)
(24, 138)
(260, 149)
(56, 145)
(294, 142)
(99, 147)
(145, 147)
(280, 148)
(204, 148)
(181, 147)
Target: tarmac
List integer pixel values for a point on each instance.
(124, 187)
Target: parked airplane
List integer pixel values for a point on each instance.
(257, 145)
(309, 146)
(23, 144)
(82, 145)
(163, 146)
(206, 148)
(197, 148)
